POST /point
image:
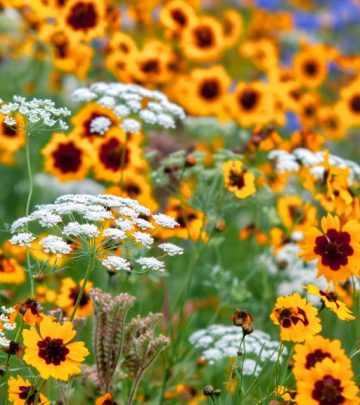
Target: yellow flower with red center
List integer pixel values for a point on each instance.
(22, 392)
(68, 295)
(31, 311)
(176, 16)
(105, 399)
(10, 271)
(349, 104)
(285, 393)
(327, 383)
(51, 351)
(238, 179)
(297, 318)
(12, 137)
(331, 301)
(335, 246)
(67, 158)
(314, 351)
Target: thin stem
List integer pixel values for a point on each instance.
(38, 392)
(89, 269)
(27, 210)
(134, 389)
(122, 161)
(234, 366)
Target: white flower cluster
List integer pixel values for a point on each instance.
(294, 272)
(116, 221)
(36, 111)
(6, 325)
(292, 162)
(100, 125)
(218, 342)
(133, 104)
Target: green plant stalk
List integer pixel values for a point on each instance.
(89, 269)
(134, 389)
(27, 210)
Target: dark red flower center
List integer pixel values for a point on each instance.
(179, 17)
(209, 89)
(9, 130)
(204, 36)
(67, 157)
(315, 357)
(132, 190)
(27, 393)
(31, 305)
(183, 219)
(328, 391)
(53, 351)
(150, 66)
(82, 16)
(111, 154)
(74, 293)
(5, 265)
(248, 99)
(334, 248)
(355, 103)
(311, 68)
(291, 316)
(236, 179)
(329, 296)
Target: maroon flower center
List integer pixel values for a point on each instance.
(315, 357)
(334, 248)
(204, 36)
(328, 391)
(82, 16)
(9, 130)
(53, 351)
(248, 99)
(291, 316)
(132, 190)
(150, 66)
(330, 296)
(210, 89)
(179, 17)
(355, 103)
(111, 154)
(311, 68)
(74, 293)
(109, 402)
(67, 157)
(28, 394)
(236, 179)
(296, 214)
(32, 305)
(184, 219)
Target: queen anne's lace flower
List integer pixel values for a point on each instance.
(116, 263)
(171, 249)
(151, 263)
(55, 244)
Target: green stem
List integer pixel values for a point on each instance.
(234, 365)
(122, 161)
(89, 269)
(27, 210)
(38, 392)
(134, 389)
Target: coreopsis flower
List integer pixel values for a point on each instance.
(52, 351)
(98, 225)
(286, 394)
(336, 246)
(243, 319)
(31, 311)
(68, 295)
(12, 134)
(238, 179)
(10, 271)
(176, 16)
(331, 301)
(105, 399)
(314, 351)
(327, 382)
(22, 392)
(298, 319)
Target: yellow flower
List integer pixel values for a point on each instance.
(105, 399)
(336, 246)
(285, 393)
(327, 383)
(68, 295)
(51, 351)
(12, 137)
(10, 271)
(314, 351)
(238, 179)
(21, 392)
(332, 302)
(297, 318)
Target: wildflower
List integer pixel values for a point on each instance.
(171, 249)
(287, 394)
(12, 134)
(331, 301)
(243, 319)
(296, 317)
(10, 271)
(68, 295)
(31, 311)
(238, 179)
(51, 350)
(327, 383)
(335, 246)
(105, 399)
(22, 392)
(314, 351)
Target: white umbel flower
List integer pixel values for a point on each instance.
(22, 239)
(171, 249)
(100, 125)
(165, 221)
(55, 244)
(76, 229)
(116, 263)
(151, 263)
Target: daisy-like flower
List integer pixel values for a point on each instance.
(336, 246)
(297, 318)
(285, 393)
(22, 392)
(10, 270)
(238, 179)
(105, 399)
(51, 349)
(327, 383)
(331, 301)
(314, 351)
